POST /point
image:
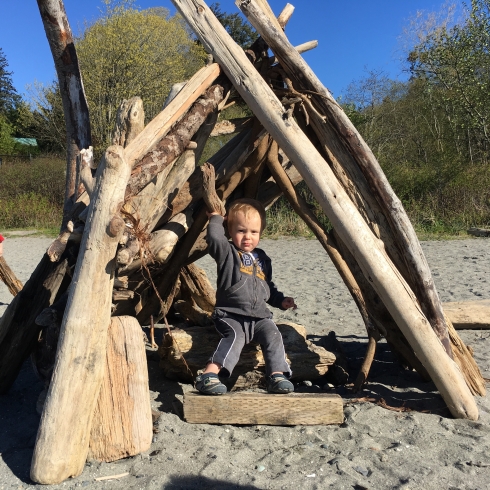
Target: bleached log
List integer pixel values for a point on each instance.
(285, 15)
(154, 200)
(122, 295)
(194, 283)
(331, 196)
(156, 129)
(196, 344)
(130, 121)
(300, 48)
(63, 436)
(421, 277)
(468, 314)
(122, 424)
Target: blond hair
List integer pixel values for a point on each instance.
(246, 206)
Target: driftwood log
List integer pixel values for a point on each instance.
(469, 314)
(8, 277)
(184, 352)
(80, 360)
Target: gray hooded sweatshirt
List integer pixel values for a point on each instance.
(244, 283)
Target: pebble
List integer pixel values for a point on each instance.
(260, 468)
(361, 470)
(306, 383)
(324, 446)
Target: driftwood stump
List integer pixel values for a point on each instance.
(196, 344)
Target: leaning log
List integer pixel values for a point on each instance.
(75, 107)
(339, 208)
(421, 278)
(63, 436)
(9, 278)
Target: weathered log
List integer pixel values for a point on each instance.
(122, 425)
(195, 283)
(130, 121)
(241, 409)
(196, 344)
(9, 278)
(421, 277)
(468, 314)
(75, 108)
(122, 295)
(156, 129)
(63, 436)
(480, 232)
(192, 314)
(333, 199)
(167, 149)
(212, 201)
(18, 331)
(121, 282)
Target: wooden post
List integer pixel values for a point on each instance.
(122, 424)
(339, 208)
(63, 436)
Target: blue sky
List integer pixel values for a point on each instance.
(354, 36)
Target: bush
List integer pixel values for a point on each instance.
(32, 194)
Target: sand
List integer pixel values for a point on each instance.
(375, 448)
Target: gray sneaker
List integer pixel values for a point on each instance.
(209, 384)
(278, 383)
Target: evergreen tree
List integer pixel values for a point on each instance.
(9, 98)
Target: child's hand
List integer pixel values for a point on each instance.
(288, 303)
(212, 213)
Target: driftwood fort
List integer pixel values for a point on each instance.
(135, 223)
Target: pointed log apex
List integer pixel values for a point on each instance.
(116, 226)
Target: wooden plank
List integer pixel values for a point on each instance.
(468, 314)
(244, 408)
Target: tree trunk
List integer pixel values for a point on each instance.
(342, 213)
(63, 436)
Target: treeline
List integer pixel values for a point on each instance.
(431, 133)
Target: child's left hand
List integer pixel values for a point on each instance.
(288, 303)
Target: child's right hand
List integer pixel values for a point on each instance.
(211, 213)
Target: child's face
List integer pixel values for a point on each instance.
(245, 231)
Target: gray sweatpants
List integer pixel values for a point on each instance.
(238, 330)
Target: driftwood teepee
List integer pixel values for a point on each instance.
(135, 223)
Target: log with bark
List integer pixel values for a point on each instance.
(184, 352)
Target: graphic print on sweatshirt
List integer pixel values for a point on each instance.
(247, 260)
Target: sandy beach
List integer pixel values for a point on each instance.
(374, 448)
